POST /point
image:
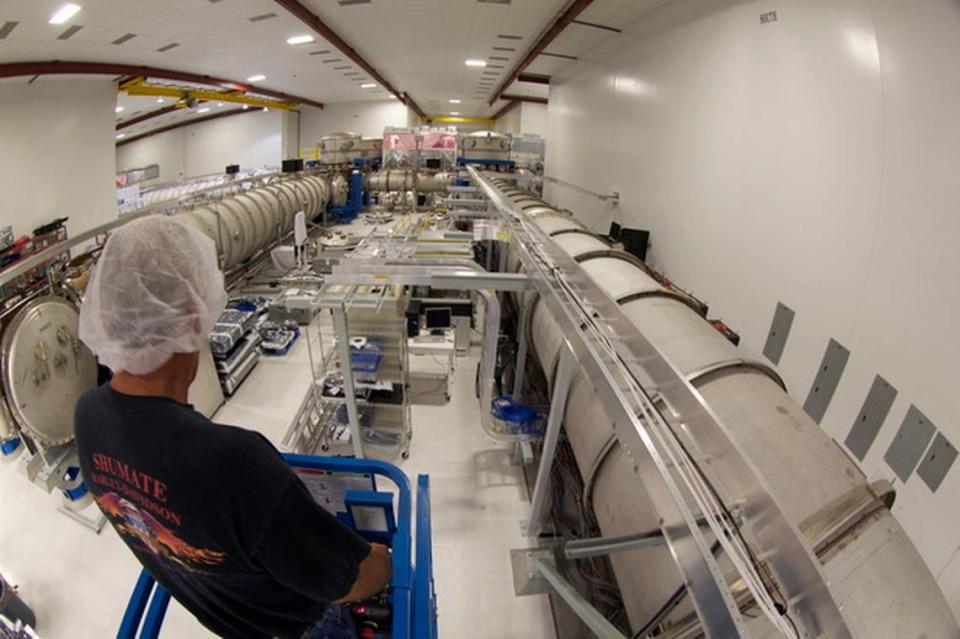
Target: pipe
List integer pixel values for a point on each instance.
(246, 223)
(802, 467)
(398, 181)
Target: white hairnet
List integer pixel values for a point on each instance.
(156, 290)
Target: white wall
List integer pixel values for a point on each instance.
(366, 118)
(510, 122)
(814, 161)
(533, 119)
(252, 140)
(525, 118)
(56, 153)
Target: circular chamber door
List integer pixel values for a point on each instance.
(45, 369)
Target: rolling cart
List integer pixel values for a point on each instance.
(348, 484)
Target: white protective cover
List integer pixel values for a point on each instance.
(156, 290)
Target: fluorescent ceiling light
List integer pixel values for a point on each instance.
(454, 113)
(256, 78)
(392, 96)
(454, 101)
(368, 85)
(476, 63)
(265, 109)
(117, 109)
(64, 13)
(203, 110)
(121, 136)
(300, 39)
(219, 104)
(160, 100)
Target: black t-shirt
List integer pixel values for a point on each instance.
(214, 514)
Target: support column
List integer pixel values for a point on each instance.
(558, 404)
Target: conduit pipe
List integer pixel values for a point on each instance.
(873, 570)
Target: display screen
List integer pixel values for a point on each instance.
(438, 317)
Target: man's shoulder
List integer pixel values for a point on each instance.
(242, 446)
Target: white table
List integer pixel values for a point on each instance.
(426, 344)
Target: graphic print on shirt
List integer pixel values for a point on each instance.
(119, 486)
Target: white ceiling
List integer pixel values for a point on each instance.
(419, 46)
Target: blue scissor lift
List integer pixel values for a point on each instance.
(412, 594)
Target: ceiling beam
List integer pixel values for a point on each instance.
(524, 98)
(177, 125)
(324, 31)
(60, 67)
(505, 110)
(604, 27)
(147, 116)
(560, 23)
(533, 78)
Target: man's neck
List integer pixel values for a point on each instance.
(171, 380)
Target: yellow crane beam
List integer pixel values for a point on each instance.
(139, 86)
(453, 119)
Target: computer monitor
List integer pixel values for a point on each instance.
(438, 317)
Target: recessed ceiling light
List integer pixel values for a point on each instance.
(368, 85)
(120, 136)
(454, 100)
(117, 109)
(393, 97)
(64, 13)
(246, 106)
(256, 78)
(476, 63)
(219, 104)
(300, 39)
(265, 109)
(203, 110)
(454, 113)
(160, 100)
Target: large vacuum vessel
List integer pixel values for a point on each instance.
(872, 569)
(243, 224)
(401, 181)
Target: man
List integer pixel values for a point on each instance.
(211, 511)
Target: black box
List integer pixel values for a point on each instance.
(635, 242)
(233, 169)
(414, 309)
(292, 166)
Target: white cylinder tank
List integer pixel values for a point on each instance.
(246, 223)
(874, 572)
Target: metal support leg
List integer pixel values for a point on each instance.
(521, 364)
(343, 346)
(558, 403)
(597, 623)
